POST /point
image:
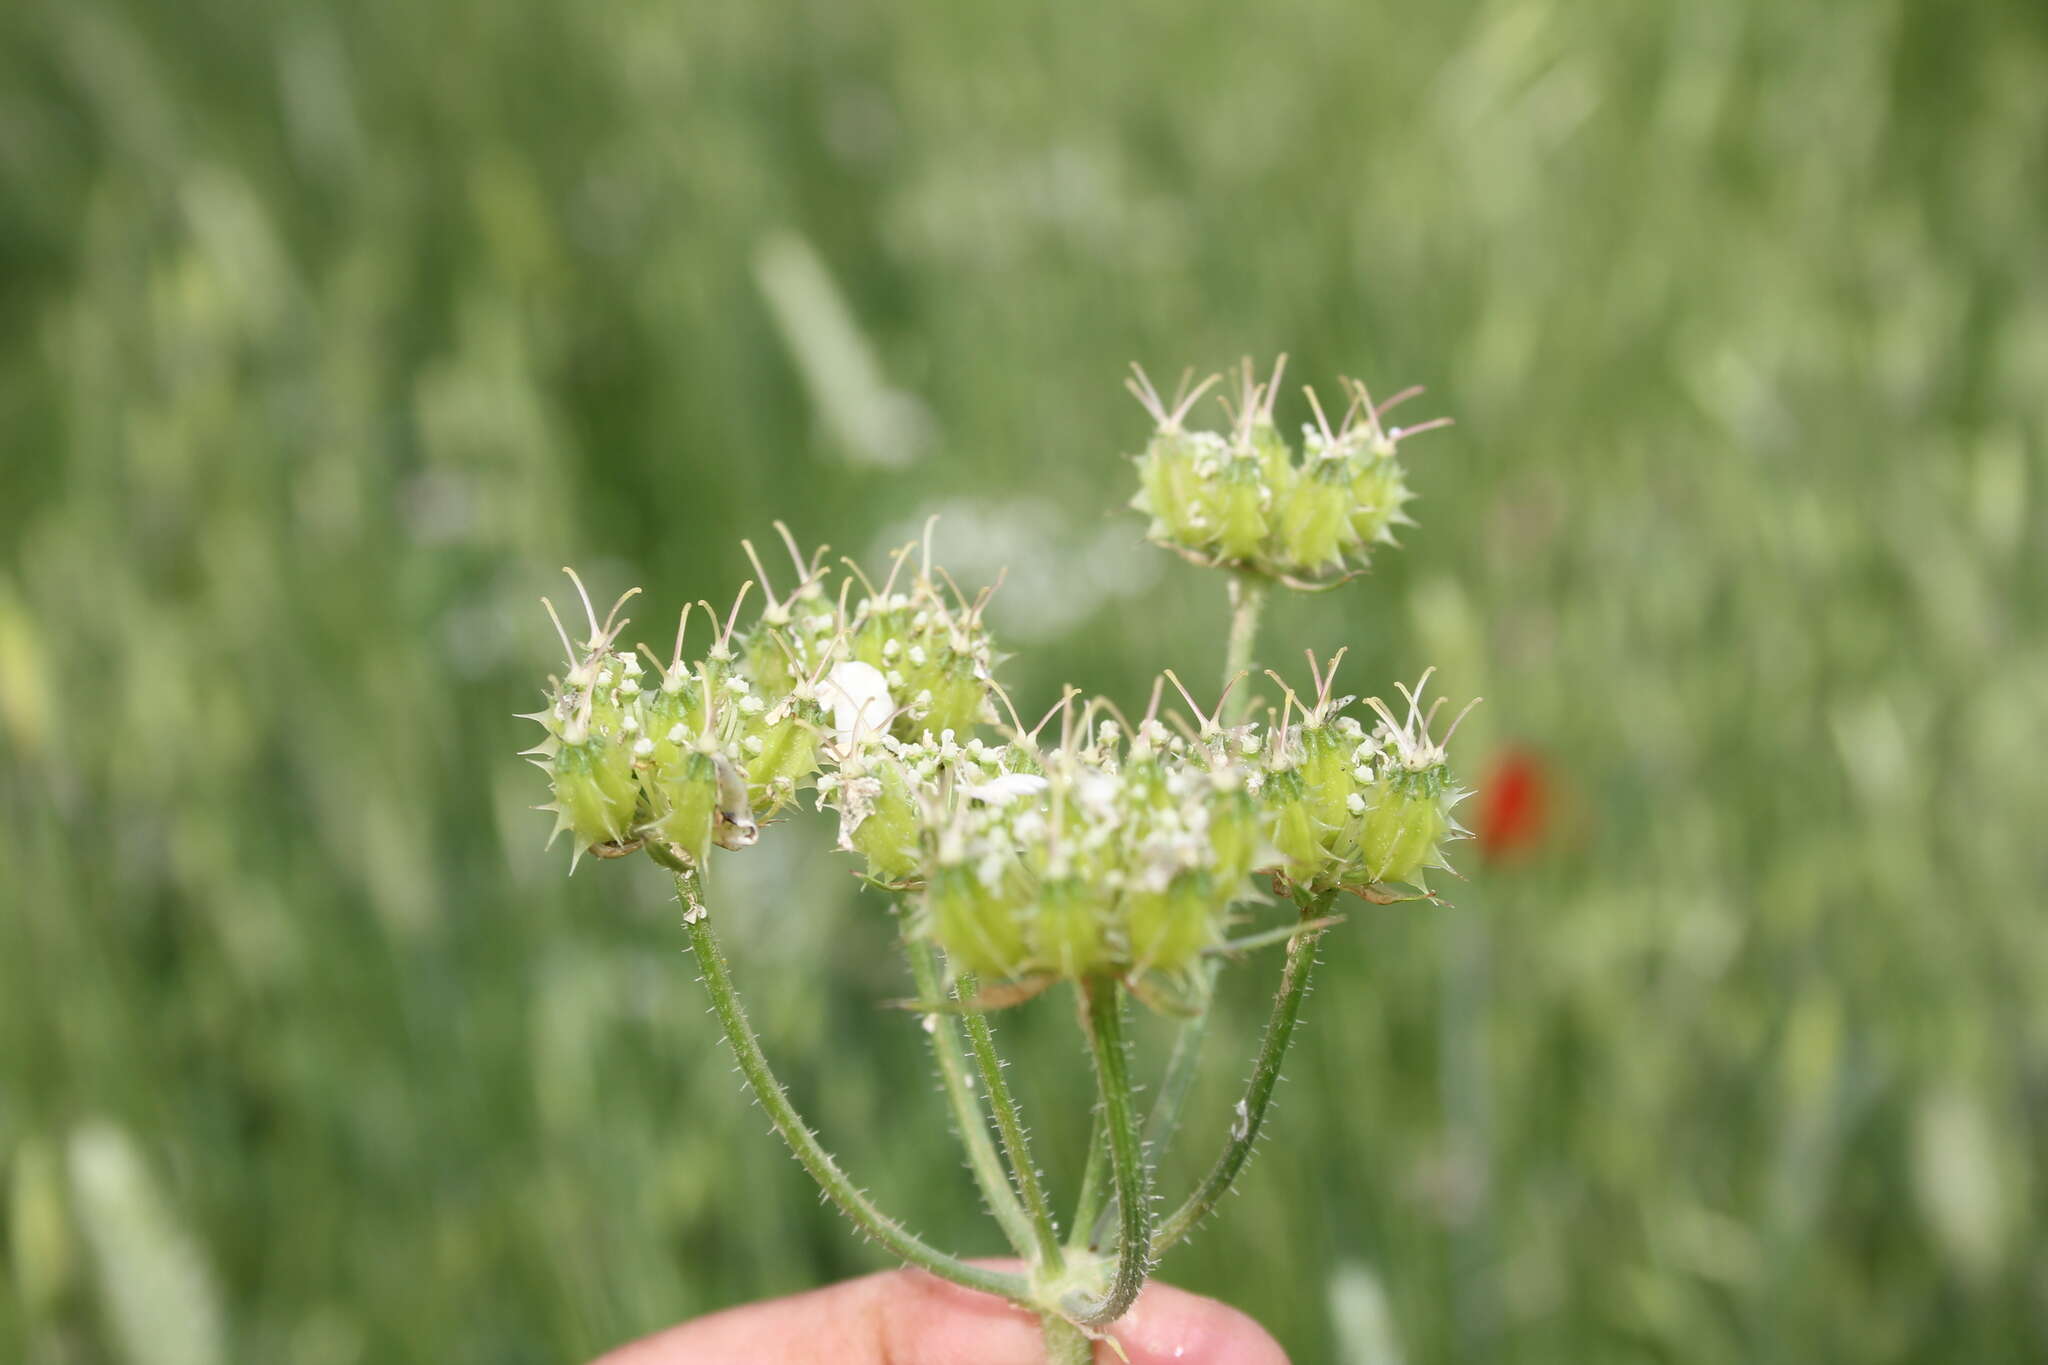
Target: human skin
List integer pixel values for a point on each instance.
(906, 1317)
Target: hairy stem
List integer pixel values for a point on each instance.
(1066, 1344)
(1250, 1114)
(1247, 600)
(1104, 1019)
(1088, 1208)
(968, 1117)
(1164, 1120)
(1016, 1142)
(802, 1142)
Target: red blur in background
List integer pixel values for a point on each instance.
(1513, 806)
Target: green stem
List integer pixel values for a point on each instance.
(1247, 599)
(968, 1117)
(1105, 1024)
(1250, 1114)
(1066, 1344)
(1016, 1142)
(1088, 1209)
(1164, 1120)
(802, 1142)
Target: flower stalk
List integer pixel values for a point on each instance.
(803, 1143)
(1016, 1143)
(1103, 1019)
(1250, 1113)
(968, 1119)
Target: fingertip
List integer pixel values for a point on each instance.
(907, 1317)
(1170, 1326)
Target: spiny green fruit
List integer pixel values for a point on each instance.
(879, 819)
(981, 928)
(1168, 929)
(1171, 487)
(1241, 497)
(1379, 492)
(1069, 928)
(1237, 836)
(780, 748)
(1404, 826)
(595, 794)
(1326, 773)
(1245, 501)
(1317, 527)
(1406, 815)
(685, 798)
(932, 651)
(1292, 827)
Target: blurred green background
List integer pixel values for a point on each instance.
(328, 331)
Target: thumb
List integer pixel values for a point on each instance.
(906, 1317)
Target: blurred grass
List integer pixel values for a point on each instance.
(327, 332)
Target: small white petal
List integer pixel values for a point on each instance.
(1000, 791)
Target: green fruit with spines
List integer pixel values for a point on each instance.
(1275, 456)
(595, 792)
(1237, 838)
(1241, 499)
(980, 928)
(1406, 821)
(1069, 928)
(1168, 929)
(1292, 826)
(685, 800)
(888, 834)
(781, 750)
(1379, 492)
(1316, 526)
(957, 698)
(1325, 770)
(1171, 487)
(665, 708)
(767, 653)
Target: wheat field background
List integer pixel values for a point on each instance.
(327, 332)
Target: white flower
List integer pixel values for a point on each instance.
(860, 702)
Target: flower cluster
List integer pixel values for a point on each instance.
(1244, 499)
(696, 752)
(1124, 849)
(1120, 848)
